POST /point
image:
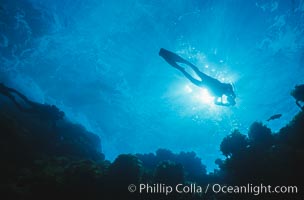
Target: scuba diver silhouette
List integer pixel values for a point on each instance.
(44, 111)
(6, 91)
(214, 86)
(298, 94)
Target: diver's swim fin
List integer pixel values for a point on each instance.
(171, 57)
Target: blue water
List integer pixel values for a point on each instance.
(98, 61)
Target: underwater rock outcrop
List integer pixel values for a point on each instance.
(193, 168)
(40, 161)
(265, 157)
(38, 157)
(234, 144)
(169, 173)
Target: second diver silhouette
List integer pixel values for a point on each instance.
(43, 111)
(214, 86)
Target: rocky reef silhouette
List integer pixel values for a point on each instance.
(42, 161)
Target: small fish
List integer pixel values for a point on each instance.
(277, 116)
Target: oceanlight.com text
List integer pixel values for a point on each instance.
(250, 189)
(254, 189)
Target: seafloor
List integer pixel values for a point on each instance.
(47, 159)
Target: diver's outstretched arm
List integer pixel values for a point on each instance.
(220, 103)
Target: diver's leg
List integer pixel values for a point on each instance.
(190, 78)
(12, 98)
(30, 106)
(175, 65)
(24, 98)
(8, 92)
(197, 71)
(20, 95)
(170, 58)
(173, 59)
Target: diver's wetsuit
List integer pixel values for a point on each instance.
(217, 88)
